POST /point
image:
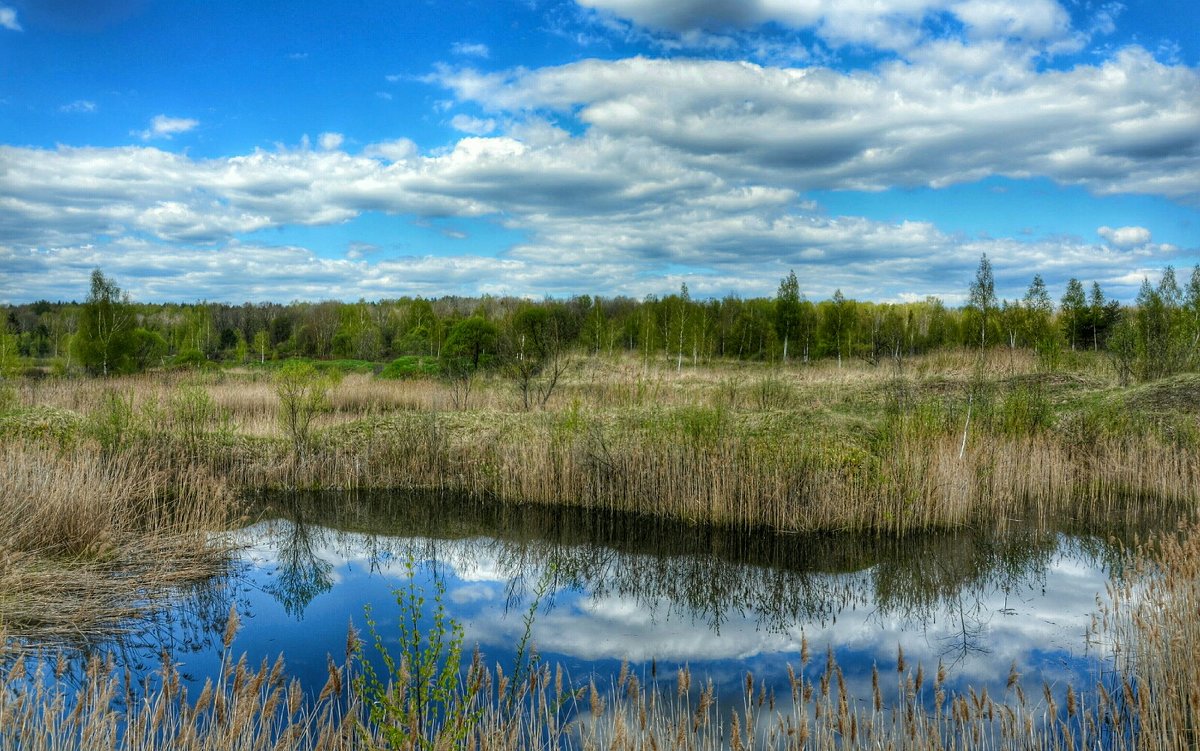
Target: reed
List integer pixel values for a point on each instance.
(948, 441)
(1155, 623)
(86, 541)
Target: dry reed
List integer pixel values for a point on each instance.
(86, 541)
(950, 441)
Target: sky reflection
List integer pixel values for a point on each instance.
(978, 603)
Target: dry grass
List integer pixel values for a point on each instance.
(110, 488)
(1155, 623)
(87, 542)
(947, 440)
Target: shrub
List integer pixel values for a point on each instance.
(410, 367)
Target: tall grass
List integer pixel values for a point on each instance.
(1155, 620)
(949, 441)
(86, 541)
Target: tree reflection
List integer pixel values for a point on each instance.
(674, 570)
(300, 574)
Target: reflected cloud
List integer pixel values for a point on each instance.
(621, 590)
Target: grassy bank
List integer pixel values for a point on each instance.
(1150, 703)
(945, 441)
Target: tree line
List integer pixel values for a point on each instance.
(109, 333)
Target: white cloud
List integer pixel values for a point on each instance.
(393, 151)
(1130, 124)
(885, 24)
(79, 106)
(469, 49)
(631, 176)
(474, 125)
(162, 126)
(358, 250)
(1125, 237)
(1023, 19)
(8, 19)
(330, 141)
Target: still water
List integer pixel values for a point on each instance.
(610, 589)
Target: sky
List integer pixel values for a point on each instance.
(278, 151)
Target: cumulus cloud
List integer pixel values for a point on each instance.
(1130, 124)
(162, 126)
(1125, 237)
(631, 176)
(330, 141)
(8, 19)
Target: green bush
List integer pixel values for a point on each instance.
(422, 700)
(410, 366)
(346, 366)
(303, 392)
(189, 359)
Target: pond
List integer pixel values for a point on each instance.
(604, 590)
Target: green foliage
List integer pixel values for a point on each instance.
(1074, 310)
(358, 336)
(1023, 410)
(471, 345)
(195, 413)
(41, 423)
(701, 426)
(336, 368)
(105, 342)
(424, 699)
(787, 310)
(536, 350)
(149, 349)
(837, 318)
(189, 359)
(982, 298)
(113, 424)
(262, 345)
(10, 358)
(303, 394)
(771, 391)
(409, 367)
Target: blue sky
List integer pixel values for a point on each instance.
(300, 150)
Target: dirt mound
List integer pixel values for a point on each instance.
(1179, 393)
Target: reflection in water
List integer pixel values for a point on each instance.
(302, 574)
(702, 573)
(624, 587)
(654, 593)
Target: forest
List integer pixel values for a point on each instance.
(111, 334)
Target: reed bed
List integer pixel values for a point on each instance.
(1154, 620)
(1150, 702)
(87, 542)
(797, 482)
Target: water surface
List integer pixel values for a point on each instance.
(608, 589)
